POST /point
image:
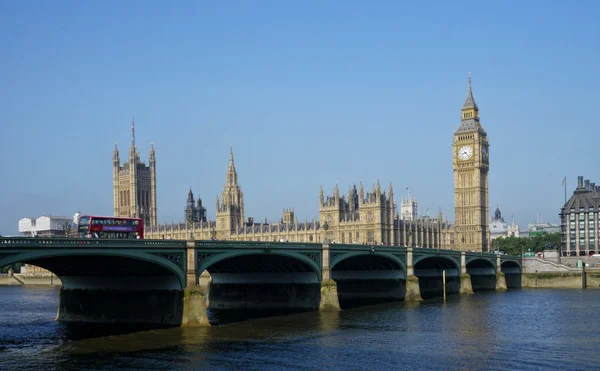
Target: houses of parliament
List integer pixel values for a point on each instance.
(360, 216)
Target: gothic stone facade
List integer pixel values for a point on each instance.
(369, 217)
(471, 166)
(362, 218)
(134, 185)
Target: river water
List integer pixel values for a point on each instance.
(521, 329)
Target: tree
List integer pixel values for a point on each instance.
(515, 246)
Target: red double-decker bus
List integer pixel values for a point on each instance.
(91, 226)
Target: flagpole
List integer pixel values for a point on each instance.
(565, 190)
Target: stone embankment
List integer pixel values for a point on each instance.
(21, 279)
(539, 273)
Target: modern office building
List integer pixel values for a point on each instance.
(579, 220)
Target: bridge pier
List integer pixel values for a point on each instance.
(120, 305)
(500, 277)
(465, 279)
(413, 292)
(330, 301)
(194, 308)
(195, 296)
(191, 274)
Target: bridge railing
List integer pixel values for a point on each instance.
(7, 242)
(255, 244)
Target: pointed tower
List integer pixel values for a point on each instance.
(153, 206)
(190, 208)
(321, 197)
(230, 214)
(361, 193)
(133, 175)
(116, 167)
(134, 185)
(471, 165)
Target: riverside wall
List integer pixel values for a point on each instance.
(539, 273)
(21, 279)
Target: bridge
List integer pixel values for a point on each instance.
(173, 282)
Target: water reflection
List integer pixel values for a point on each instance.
(524, 329)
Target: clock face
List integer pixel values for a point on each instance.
(465, 152)
(484, 153)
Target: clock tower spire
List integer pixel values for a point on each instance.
(471, 165)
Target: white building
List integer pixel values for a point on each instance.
(408, 209)
(45, 226)
(499, 228)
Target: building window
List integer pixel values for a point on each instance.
(571, 216)
(581, 226)
(329, 219)
(581, 216)
(370, 216)
(358, 237)
(572, 226)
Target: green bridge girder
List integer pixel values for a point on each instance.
(211, 252)
(168, 254)
(172, 254)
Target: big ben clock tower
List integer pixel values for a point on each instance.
(470, 157)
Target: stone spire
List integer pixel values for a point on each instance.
(470, 101)
(231, 173)
(321, 196)
(116, 154)
(361, 192)
(470, 114)
(133, 131)
(152, 154)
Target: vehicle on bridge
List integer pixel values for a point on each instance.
(91, 226)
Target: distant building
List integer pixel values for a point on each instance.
(500, 229)
(579, 220)
(539, 228)
(134, 185)
(408, 209)
(194, 213)
(46, 226)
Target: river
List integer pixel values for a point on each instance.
(521, 329)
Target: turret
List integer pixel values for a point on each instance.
(336, 194)
(116, 190)
(361, 193)
(321, 197)
(133, 162)
(153, 211)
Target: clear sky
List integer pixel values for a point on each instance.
(307, 92)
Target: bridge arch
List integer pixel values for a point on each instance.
(369, 261)
(512, 272)
(511, 266)
(439, 262)
(259, 261)
(483, 273)
(90, 269)
(430, 268)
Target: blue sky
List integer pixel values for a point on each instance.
(308, 93)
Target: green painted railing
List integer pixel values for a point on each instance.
(256, 244)
(25, 242)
